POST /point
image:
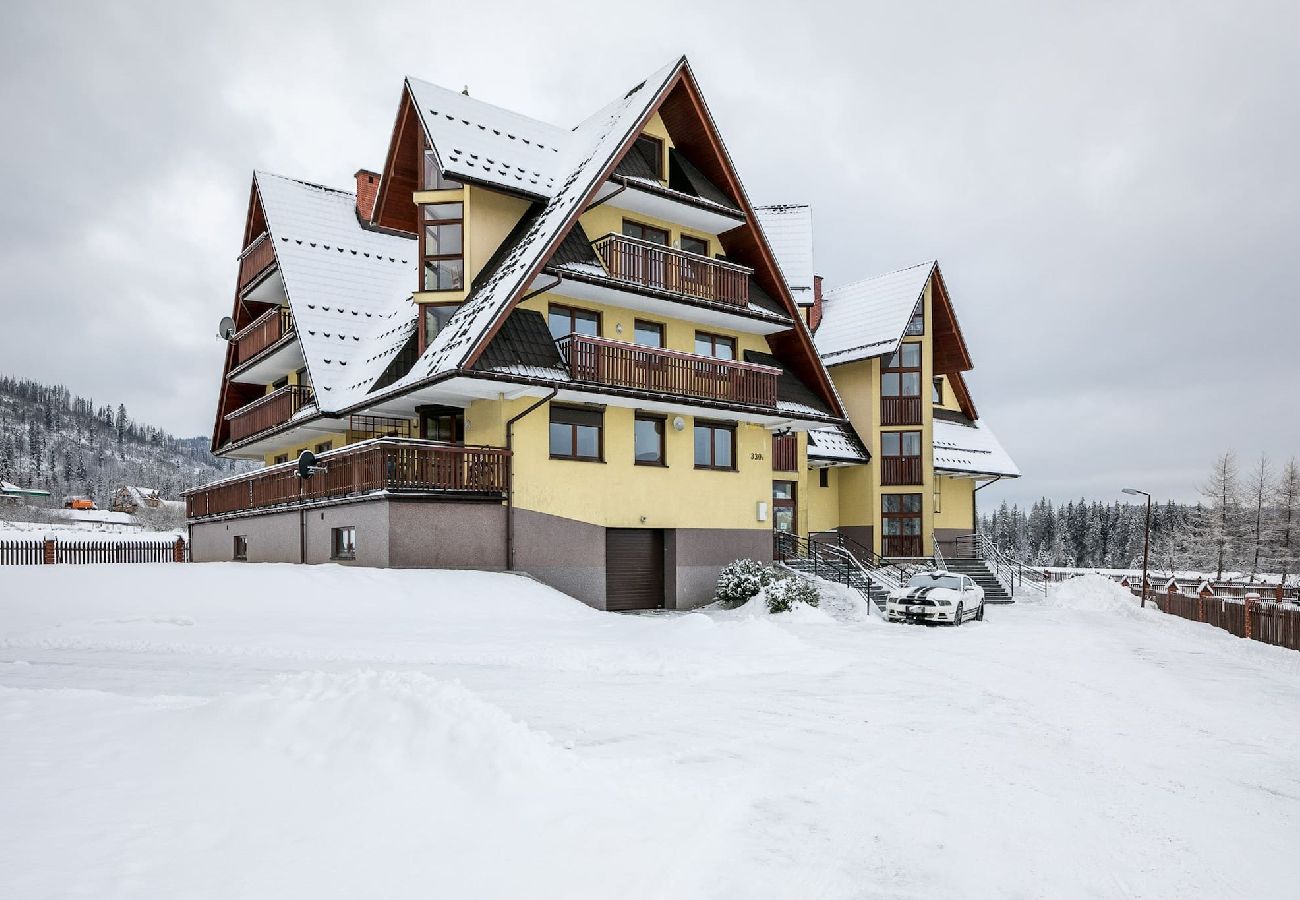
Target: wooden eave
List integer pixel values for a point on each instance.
(950, 352)
(962, 392)
(399, 179)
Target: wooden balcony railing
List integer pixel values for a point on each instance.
(900, 410)
(264, 331)
(616, 364)
(665, 269)
(385, 464)
(256, 259)
(268, 412)
(900, 470)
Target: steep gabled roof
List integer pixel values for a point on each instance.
(969, 447)
(867, 318)
(477, 141)
(349, 287)
(789, 233)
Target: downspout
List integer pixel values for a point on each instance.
(974, 504)
(510, 477)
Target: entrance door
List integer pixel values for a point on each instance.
(900, 525)
(634, 569)
(442, 423)
(784, 514)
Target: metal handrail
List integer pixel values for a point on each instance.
(828, 561)
(1010, 572)
(895, 571)
(938, 554)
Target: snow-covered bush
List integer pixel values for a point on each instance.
(740, 581)
(784, 591)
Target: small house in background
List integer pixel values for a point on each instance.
(132, 499)
(12, 493)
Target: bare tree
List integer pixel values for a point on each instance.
(1285, 538)
(1218, 527)
(1259, 484)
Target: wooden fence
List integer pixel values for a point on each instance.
(37, 552)
(1259, 620)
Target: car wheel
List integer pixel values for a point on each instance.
(956, 617)
(979, 613)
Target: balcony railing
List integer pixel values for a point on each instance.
(268, 412)
(785, 453)
(385, 464)
(900, 470)
(616, 364)
(900, 410)
(676, 271)
(264, 331)
(256, 259)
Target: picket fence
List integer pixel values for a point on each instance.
(51, 551)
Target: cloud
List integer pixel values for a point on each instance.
(1109, 187)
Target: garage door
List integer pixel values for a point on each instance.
(634, 568)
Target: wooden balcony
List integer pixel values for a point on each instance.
(900, 410)
(265, 331)
(616, 364)
(674, 271)
(268, 412)
(900, 470)
(254, 261)
(386, 464)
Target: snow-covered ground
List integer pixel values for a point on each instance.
(230, 731)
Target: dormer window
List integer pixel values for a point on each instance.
(432, 178)
(651, 151)
(442, 246)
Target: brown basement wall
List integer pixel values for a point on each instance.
(452, 534)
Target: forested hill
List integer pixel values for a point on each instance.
(64, 444)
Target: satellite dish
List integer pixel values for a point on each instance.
(226, 330)
(307, 465)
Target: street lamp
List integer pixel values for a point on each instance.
(1146, 544)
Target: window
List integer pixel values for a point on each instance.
(917, 324)
(718, 346)
(442, 423)
(432, 178)
(566, 320)
(304, 377)
(343, 542)
(577, 433)
(936, 390)
(282, 458)
(649, 440)
(824, 477)
(645, 232)
(695, 245)
(241, 547)
(442, 246)
(715, 446)
(651, 150)
(900, 457)
(648, 334)
(279, 383)
(436, 317)
(324, 447)
(900, 387)
(900, 521)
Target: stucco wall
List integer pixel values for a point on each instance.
(446, 535)
(697, 555)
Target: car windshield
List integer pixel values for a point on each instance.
(935, 579)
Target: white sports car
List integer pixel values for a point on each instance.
(938, 598)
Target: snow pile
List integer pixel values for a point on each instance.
(1093, 593)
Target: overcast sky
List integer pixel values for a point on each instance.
(1110, 188)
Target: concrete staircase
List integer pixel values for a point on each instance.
(982, 575)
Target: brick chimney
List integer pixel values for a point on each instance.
(367, 191)
(815, 311)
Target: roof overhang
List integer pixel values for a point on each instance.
(640, 196)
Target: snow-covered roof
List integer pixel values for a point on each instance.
(867, 318)
(789, 233)
(8, 487)
(836, 444)
(970, 448)
(592, 146)
(481, 142)
(349, 287)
